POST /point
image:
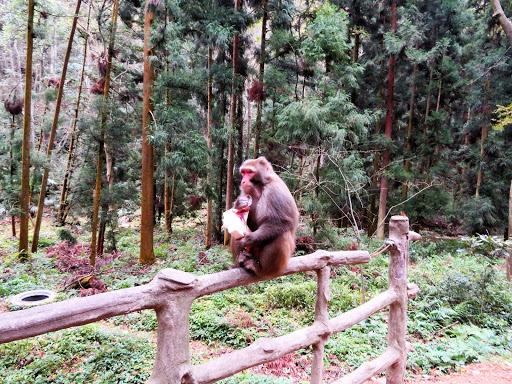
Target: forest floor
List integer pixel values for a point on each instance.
(295, 367)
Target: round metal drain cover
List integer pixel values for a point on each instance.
(37, 297)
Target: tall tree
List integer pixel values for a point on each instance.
(63, 205)
(25, 161)
(53, 132)
(261, 75)
(101, 145)
(231, 133)
(388, 128)
(209, 141)
(147, 255)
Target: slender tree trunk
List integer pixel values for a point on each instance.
(53, 132)
(389, 125)
(25, 157)
(373, 211)
(167, 193)
(261, 74)
(169, 201)
(439, 89)
(209, 204)
(510, 212)
(427, 109)
(317, 192)
(147, 255)
(231, 144)
(248, 140)
(405, 186)
(485, 131)
(61, 215)
(509, 258)
(11, 169)
(101, 146)
(240, 133)
(220, 191)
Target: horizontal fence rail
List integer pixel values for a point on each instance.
(172, 292)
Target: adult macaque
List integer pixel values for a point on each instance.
(273, 219)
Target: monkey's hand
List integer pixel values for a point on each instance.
(246, 241)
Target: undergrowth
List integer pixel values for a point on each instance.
(463, 313)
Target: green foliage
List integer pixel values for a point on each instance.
(88, 354)
(363, 341)
(504, 117)
(469, 344)
(66, 235)
(491, 246)
(292, 295)
(479, 215)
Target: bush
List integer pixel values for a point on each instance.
(66, 235)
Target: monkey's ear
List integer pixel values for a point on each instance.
(265, 163)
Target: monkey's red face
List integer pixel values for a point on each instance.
(247, 182)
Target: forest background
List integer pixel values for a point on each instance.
(365, 109)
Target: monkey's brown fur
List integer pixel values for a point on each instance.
(273, 220)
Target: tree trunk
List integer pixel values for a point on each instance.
(53, 132)
(248, 140)
(259, 109)
(147, 255)
(103, 127)
(62, 213)
(240, 134)
(11, 171)
(509, 258)
(169, 201)
(317, 192)
(25, 157)
(389, 125)
(231, 144)
(373, 212)
(405, 186)
(479, 178)
(220, 190)
(505, 23)
(427, 110)
(209, 209)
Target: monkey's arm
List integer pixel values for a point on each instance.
(265, 234)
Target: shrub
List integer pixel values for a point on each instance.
(66, 235)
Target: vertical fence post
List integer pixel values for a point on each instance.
(397, 329)
(172, 362)
(323, 296)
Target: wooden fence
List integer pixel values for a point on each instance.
(172, 292)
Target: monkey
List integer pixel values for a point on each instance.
(14, 107)
(273, 219)
(98, 88)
